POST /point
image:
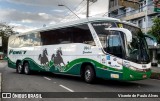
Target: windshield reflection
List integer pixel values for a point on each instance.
(133, 49)
(137, 50)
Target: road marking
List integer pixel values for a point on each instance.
(54, 82)
(47, 78)
(66, 88)
(85, 98)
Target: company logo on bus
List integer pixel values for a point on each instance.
(17, 52)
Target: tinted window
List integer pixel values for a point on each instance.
(37, 39)
(26, 40)
(58, 36)
(75, 34)
(11, 43)
(114, 45)
(100, 27)
(82, 34)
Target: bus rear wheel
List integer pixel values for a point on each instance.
(89, 74)
(27, 70)
(19, 68)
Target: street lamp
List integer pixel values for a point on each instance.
(69, 9)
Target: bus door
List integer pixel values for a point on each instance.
(117, 40)
(114, 50)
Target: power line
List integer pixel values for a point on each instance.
(81, 7)
(99, 14)
(75, 8)
(85, 9)
(79, 10)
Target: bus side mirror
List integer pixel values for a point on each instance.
(127, 33)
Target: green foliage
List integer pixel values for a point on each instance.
(155, 29)
(5, 32)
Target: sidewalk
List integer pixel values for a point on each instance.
(155, 73)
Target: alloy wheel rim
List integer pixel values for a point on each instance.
(26, 69)
(87, 74)
(19, 68)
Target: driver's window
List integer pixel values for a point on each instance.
(114, 45)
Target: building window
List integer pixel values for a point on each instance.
(140, 23)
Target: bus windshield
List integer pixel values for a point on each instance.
(114, 42)
(137, 50)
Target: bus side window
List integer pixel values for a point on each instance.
(16, 42)
(65, 35)
(57, 36)
(21, 41)
(75, 34)
(25, 41)
(37, 39)
(11, 43)
(82, 34)
(114, 45)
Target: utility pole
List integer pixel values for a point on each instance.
(146, 17)
(87, 15)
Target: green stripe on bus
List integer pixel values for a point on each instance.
(74, 66)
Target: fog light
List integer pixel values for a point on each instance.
(131, 76)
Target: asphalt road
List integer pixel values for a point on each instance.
(48, 82)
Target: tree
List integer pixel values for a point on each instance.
(5, 32)
(155, 29)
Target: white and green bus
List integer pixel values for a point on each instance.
(94, 47)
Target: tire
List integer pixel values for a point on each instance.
(19, 68)
(89, 74)
(27, 70)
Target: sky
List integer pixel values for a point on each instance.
(26, 15)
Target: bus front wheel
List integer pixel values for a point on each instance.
(19, 68)
(26, 68)
(89, 74)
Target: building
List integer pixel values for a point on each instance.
(132, 13)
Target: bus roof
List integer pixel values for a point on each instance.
(125, 22)
(71, 23)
